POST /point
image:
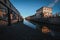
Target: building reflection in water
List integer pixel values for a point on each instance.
(46, 30)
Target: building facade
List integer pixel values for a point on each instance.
(44, 12)
(7, 9)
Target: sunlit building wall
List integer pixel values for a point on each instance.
(44, 12)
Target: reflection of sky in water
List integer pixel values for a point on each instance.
(29, 24)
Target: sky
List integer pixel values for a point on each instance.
(29, 7)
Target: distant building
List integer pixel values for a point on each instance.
(44, 12)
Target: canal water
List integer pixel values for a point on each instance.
(54, 29)
(29, 24)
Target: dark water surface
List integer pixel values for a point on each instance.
(55, 29)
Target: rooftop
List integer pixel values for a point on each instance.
(43, 7)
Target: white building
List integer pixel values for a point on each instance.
(44, 12)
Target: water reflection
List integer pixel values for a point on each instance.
(49, 29)
(44, 28)
(29, 24)
(35, 25)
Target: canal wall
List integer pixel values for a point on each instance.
(54, 20)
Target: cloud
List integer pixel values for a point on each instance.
(52, 4)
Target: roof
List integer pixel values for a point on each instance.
(43, 7)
